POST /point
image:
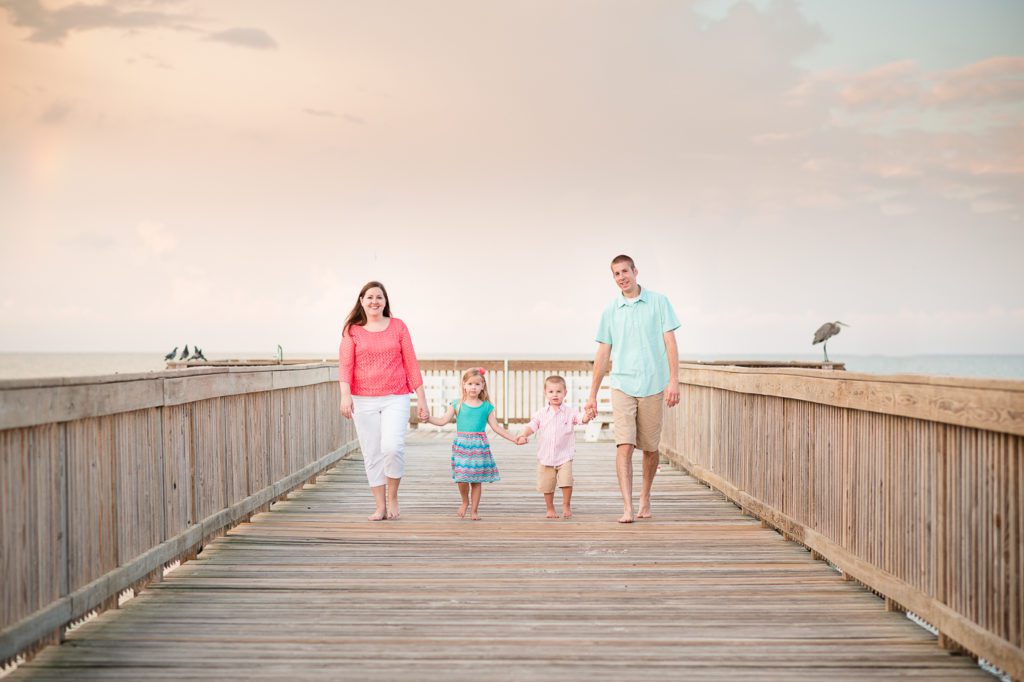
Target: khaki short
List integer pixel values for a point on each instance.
(549, 477)
(637, 420)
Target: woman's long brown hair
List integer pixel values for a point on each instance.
(358, 316)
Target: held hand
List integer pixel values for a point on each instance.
(346, 407)
(423, 413)
(521, 440)
(590, 408)
(672, 395)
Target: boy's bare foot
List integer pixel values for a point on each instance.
(567, 513)
(378, 515)
(462, 510)
(552, 514)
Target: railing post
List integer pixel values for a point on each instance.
(504, 392)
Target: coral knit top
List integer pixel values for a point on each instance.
(379, 363)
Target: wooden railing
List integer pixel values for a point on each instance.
(910, 485)
(105, 481)
(516, 387)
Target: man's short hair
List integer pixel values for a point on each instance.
(623, 258)
(555, 379)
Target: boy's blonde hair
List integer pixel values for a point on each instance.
(475, 372)
(555, 379)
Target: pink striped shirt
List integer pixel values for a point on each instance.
(379, 363)
(556, 439)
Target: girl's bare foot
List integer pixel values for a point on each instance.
(378, 515)
(567, 513)
(551, 514)
(462, 510)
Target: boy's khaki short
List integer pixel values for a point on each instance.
(637, 420)
(549, 477)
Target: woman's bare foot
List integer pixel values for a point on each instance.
(393, 511)
(552, 514)
(378, 515)
(462, 510)
(567, 513)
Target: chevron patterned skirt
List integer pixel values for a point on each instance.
(472, 461)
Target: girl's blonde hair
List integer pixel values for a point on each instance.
(475, 372)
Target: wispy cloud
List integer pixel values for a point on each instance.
(255, 38)
(56, 113)
(56, 25)
(322, 113)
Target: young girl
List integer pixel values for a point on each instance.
(472, 462)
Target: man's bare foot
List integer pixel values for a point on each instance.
(378, 515)
(462, 510)
(552, 514)
(567, 513)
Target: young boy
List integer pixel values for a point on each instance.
(557, 444)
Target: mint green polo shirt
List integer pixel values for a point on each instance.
(636, 332)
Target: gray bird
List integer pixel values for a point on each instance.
(172, 354)
(197, 354)
(826, 332)
(184, 353)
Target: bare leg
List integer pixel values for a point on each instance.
(566, 499)
(378, 497)
(464, 492)
(393, 510)
(651, 460)
(624, 470)
(476, 489)
(549, 500)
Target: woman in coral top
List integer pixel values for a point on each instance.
(377, 370)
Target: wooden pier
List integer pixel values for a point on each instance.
(912, 487)
(311, 590)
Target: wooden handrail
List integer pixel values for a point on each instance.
(106, 480)
(911, 485)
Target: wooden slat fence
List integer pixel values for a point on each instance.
(516, 387)
(911, 485)
(107, 480)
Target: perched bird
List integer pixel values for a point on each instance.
(172, 354)
(184, 353)
(197, 354)
(826, 332)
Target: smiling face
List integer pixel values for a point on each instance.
(373, 302)
(554, 392)
(625, 277)
(473, 387)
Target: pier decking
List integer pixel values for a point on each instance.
(311, 590)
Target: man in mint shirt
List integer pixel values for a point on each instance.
(637, 332)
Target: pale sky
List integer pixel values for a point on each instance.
(230, 172)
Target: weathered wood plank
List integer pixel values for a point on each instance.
(312, 590)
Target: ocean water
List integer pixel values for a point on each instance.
(45, 365)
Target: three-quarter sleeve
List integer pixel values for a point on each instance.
(412, 366)
(346, 359)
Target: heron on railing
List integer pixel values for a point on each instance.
(826, 332)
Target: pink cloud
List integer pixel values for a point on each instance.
(998, 79)
(891, 84)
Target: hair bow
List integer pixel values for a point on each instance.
(482, 371)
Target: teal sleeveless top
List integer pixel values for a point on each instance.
(471, 419)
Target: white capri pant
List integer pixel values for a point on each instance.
(381, 423)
